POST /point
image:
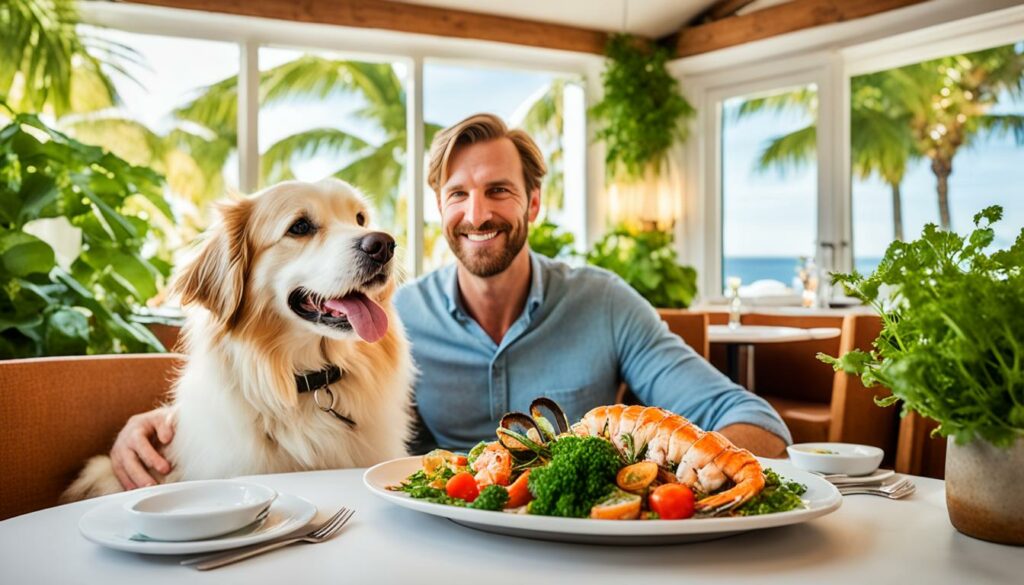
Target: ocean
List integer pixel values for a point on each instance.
(783, 269)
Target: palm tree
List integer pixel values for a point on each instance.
(950, 100)
(46, 65)
(880, 143)
(543, 120)
(929, 109)
(375, 166)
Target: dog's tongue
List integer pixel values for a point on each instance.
(369, 320)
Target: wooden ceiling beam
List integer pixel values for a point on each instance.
(772, 21)
(409, 18)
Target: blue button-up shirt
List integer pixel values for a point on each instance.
(581, 332)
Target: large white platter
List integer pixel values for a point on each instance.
(821, 498)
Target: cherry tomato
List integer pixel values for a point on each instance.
(672, 501)
(462, 486)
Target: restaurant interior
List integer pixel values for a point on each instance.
(775, 178)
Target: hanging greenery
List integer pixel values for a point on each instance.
(642, 114)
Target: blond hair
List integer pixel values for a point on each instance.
(484, 128)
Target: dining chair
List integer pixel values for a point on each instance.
(691, 326)
(855, 417)
(917, 452)
(59, 411)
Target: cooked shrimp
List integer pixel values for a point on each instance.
(493, 466)
(704, 461)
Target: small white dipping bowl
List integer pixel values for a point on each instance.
(199, 509)
(836, 457)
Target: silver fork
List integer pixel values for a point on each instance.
(327, 529)
(894, 491)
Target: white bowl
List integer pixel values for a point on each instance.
(199, 509)
(836, 457)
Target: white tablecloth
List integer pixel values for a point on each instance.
(868, 541)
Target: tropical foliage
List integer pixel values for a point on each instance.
(81, 303)
(648, 262)
(47, 66)
(545, 238)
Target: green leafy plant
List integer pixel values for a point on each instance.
(642, 113)
(545, 238)
(647, 261)
(952, 340)
(85, 305)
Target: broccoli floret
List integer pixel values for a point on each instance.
(581, 472)
(492, 497)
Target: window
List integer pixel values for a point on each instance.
(769, 186)
(323, 115)
(533, 101)
(936, 142)
(166, 121)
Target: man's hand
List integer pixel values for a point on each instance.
(133, 454)
(755, 439)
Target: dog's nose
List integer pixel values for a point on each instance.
(379, 246)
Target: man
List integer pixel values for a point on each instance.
(504, 326)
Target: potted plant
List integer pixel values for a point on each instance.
(952, 349)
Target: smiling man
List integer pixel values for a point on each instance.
(503, 325)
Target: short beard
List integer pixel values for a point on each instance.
(486, 266)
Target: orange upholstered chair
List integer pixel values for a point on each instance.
(57, 412)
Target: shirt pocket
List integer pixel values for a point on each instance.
(577, 401)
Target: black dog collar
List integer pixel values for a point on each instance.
(315, 382)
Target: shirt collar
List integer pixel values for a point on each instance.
(534, 298)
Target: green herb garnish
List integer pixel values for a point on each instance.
(777, 496)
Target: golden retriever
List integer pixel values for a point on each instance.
(290, 281)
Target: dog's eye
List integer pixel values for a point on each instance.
(361, 218)
(302, 227)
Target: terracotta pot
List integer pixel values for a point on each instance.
(985, 490)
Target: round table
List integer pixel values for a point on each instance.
(868, 540)
(747, 336)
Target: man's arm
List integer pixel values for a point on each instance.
(134, 455)
(663, 371)
(755, 439)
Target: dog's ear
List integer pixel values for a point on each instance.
(215, 277)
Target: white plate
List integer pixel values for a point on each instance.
(109, 524)
(821, 498)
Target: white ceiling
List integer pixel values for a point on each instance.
(652, 18)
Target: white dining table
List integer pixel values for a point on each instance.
(867, 541)
(748, 336)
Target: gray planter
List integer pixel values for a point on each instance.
(985, 490)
